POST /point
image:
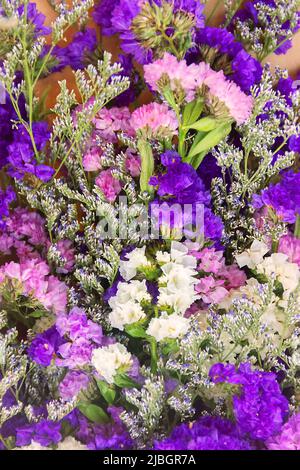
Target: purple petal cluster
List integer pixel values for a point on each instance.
(46, 433)
(72, 384)
(289, 436)
(35, 18)
(82, 336)
(21, 156)
(6, 198)
(182, 185)
(207, 433)
(44, 347)
(259, 407)
(282, 197)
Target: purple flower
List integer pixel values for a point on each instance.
(283, 197)
(72, 384)
(208, 433)
(76, 325)
(260, 407)
(6, 198)
(289, 436)
(47, 433)
(44, 346)
(36, 19)
(83, 43)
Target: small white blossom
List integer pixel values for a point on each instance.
(109, 360)
(125, 314)
(277, 265)
(134, 260)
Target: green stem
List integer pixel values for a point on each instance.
(154, 356)
(297, 227)
(213, 11)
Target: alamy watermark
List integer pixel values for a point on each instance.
(159, 220)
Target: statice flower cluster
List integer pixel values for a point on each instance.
(149, 227)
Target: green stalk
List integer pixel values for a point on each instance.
(297, 227)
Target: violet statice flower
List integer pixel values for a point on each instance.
(6, 198)
(44, 347)
(244, 70)
(282, 197)
(289, 436)
(72, 384)
(35, 18)
(124, 12)
(45, 433)
(110, 436)
(260, 407)
(83, 44)
(21, 155)
(207, 433)
(102, 15)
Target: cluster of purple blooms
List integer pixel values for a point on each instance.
(282, 197)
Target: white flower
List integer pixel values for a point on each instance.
(179, 254)
(179, 301)
(134, 260)
(110, 359)
(134, 290)
(168, 326)
(33, 446)
(125, 314)
(277, 265)
(70, 443)
(163, 257)
(253, 256)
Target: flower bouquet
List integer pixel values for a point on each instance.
(149, 228)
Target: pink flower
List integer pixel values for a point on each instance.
(233, 276)
(211, 290)
(67, 252)
(109, 185)
(211, 261)
(110, 121)
(23, 223)
(154, 120)
(133, 164)
(180, 75)
(92, 160)
(238, 103)
(290, 246)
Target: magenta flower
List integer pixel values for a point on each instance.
(109, 185)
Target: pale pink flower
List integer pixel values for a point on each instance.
(290, 246)
(155, 120)
(110, 121)
(92, 160)
(109, 185)
(238, 103)
(210, 290)
(211, 261)
(133, 164)
(181, 75)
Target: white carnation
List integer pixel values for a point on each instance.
(277, 265)
(134, 290)
(168, 326)
(110, 359)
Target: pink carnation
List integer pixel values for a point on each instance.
(109, 185)
(23, 223)
(290, 246)
(92, 160)
(154, 119)
(110, 121)
(181, 75)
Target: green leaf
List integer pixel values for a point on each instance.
(192, 112)
(93, 412)
(107, 391)
(206, 124)
(124, 381)
(37, 314)
(147, 165)
(136, 331)
(210, 140)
